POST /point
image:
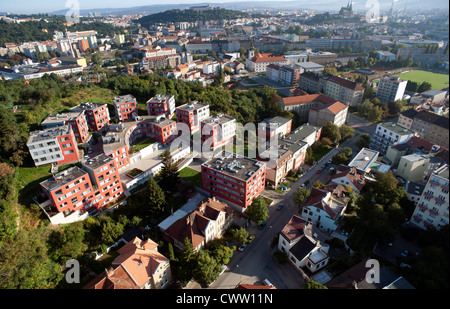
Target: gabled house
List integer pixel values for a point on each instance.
(351, 176)
(303, 251)
(207, 221)
(325, 208)
(139, 266)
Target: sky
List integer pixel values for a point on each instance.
(45, 6)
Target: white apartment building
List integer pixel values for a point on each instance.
(258, 62)
(432, 207)
(211, 67)
(391, 89)
(388, 134)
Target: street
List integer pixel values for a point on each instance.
(256, 262)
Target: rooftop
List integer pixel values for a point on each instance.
(194, 105)
(58, 119)
(307, 99)
(97, 161)
(63, 178)
(397, 129)
(364, 159)
(218, 119)
(50, 133)
(124, 99)
(160, 98)
(235, 166)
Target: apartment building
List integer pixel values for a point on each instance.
(235, 179)
(161, 105)
(218, 130)
(432, 207)
(335, 112)
(69, 191)
(427, 125)
(274, 128)
(258, 62)
(303, 104)
(388, 134)
(286, 75)
(391, 89)
(56, 145)
(76, 119)
(125, 107)
(119, 138)
(97, 115)
(341, 89)
(192, 114)
(105, 179)
(309, 82)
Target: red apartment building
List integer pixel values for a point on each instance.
(125, 106)
(94, 186)
(75, 118)
(218, 130)
(192, 114)
(234, 178)
(69, 191)
(105, 179)
(161, 105)
(54, 145)
(97, 115)
(117, 142)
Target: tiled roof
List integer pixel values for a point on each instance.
(294, 228)
(307, 99)
(343, 82)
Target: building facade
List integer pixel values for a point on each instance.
(391, 89)
(125, 107)
(234, 178)
(192, 114)
(161, 105)
(432, 207)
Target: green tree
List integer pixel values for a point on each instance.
(156, 197)
(240, 235)
(313, 285)
(67, 242)
(257, 211)
(206, 268)
(424, 86)
(331, 131)
(168, 177)
(346, 132)
(363, 141)
(301, 195)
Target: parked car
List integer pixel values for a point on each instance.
(267, 282)
(262, 225)
(280, 207)
(307, 182)
(319, 171)
(242, 247)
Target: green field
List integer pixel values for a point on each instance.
(437, 80)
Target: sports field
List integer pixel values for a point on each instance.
(437, 80)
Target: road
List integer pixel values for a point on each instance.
(256, 262)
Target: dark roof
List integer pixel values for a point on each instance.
(410, 113)
(302, 248)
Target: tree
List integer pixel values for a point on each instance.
(346, 132)
(301, 195)
(257, 211)
(156, 197)
(313, 285)
(222, 254)
(206, 268)
(332, 132)
(240, 235)
(168, 177)
(424, 86)
(67, 242)
(363, 141)
(347, 151)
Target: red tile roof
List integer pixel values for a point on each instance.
(307, 99)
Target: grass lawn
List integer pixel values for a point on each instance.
(142, 143)
(191, 176)
(437, 80)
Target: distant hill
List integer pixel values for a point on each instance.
(190, 15)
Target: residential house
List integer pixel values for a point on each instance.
(302, 104)
(325, 208)
(209, 220)
(388, 134)
(341, 89)
(258, 62)
(349, 176)
(138, 266)
(302, 249)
